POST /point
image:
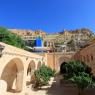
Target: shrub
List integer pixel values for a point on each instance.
(43, 75)
(79, 74)
(12, 39)
(75, 67)
(83, 80)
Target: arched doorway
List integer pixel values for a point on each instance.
(13, 75)
(62, 70)
(30, 72)
(61, 61)
(39, 65)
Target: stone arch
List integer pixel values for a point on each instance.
(39, 65)
(31, 68)
(62, 60)
(30, 72)
(13, 75)
(62, 71)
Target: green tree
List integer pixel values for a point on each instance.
(79, 74)
(43, 75)
(12, 39)
(74, 67)
(82, 81)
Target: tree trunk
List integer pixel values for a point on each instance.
(80, 92)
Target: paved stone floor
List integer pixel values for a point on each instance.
(46, 90)
(55, 88)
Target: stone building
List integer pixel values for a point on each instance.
(87, 55)
(29, 37)
(23, 33)
(17, 67)
(40, 33)
(58, 40)
(80, 37)
(28, 34)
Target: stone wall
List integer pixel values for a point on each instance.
(87, 55)
(54, 60)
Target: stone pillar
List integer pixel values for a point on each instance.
(3, 87)
(24, 80)
(19, 81)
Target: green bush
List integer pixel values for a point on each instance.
(79, 74)
(83, 80)
(43, 75)
(12, 39)
(74, 67)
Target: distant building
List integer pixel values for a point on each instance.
(80, 38)
(28, 34)
(40, 33)
(57, 40)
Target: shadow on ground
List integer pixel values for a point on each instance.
(55, 88)
(59, 89)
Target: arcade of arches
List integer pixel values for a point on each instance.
(30, 71)
(13, 75)
(14, 72)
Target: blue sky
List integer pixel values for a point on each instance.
(47, 15)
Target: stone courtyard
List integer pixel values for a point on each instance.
(54, 88)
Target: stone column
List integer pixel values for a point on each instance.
(19, 81)
(3, 87)
(24, 80)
